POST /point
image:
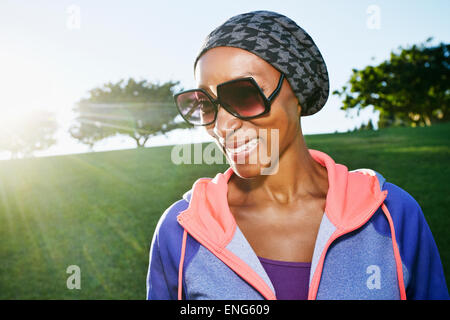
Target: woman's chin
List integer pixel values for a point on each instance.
(246, 171)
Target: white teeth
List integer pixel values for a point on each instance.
(249, 145)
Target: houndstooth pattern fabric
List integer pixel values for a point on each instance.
(281, 42)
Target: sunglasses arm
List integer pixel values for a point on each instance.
(277, 90)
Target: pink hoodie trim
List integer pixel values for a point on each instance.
(398, 259)
(180, 266)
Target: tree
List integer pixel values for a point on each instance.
(136, 109)
(30, 132)
(366, 127)
(410, 89)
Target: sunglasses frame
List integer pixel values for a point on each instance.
(216, 102)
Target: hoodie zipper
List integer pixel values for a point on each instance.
(338, 233)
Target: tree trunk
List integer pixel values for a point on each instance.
(426, 119)
(145, 140)
(138, 143)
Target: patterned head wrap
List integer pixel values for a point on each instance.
(282, 43)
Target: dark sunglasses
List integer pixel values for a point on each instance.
(242, 98)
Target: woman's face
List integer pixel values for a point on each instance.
(267, 136)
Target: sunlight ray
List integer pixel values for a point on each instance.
(96, 272)
(7, 213)
(132, 242)
(122, 178)
(95, 123)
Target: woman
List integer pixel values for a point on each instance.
(284, 221)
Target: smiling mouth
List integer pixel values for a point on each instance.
(246, 147)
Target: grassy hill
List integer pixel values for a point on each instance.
(99, 210)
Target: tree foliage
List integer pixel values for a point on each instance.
(27, 133)
(411, 88)
(135, 109)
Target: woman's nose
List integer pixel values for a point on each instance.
(225, 124)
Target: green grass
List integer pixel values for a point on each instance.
(99, 210)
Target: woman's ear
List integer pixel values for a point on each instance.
(299, 110)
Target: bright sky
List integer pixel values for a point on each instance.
(49, 59)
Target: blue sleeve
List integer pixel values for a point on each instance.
(419, 252)
(157, 287)
(165, 251)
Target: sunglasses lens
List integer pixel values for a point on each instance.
(242, 97)
(196, 107)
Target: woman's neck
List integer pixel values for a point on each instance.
(298, 177)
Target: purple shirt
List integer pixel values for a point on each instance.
(290, 279)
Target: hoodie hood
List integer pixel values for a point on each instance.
(352, 198)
